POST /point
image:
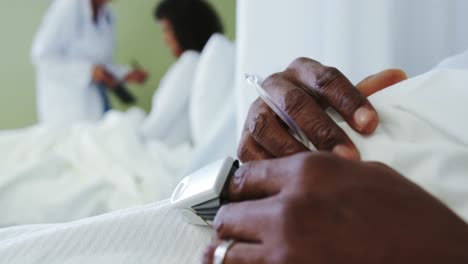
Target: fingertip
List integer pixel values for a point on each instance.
(346, 152)
(366, 120)
(396, 75)
(236, 183)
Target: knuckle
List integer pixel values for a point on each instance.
(349, 100)
(301, 163)
(244, 152)
(325, 135)
(333, 86)
(293, 101)
(260, 124)
(274, 79)
(250, 150)
(327, 77)
(288, 147)
(311, 169)
(255, 106)
(300, 61)
(285, 210)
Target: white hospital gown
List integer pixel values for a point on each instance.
(422, 135)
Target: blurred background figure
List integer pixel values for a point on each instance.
(137, 38)
(73, 54)
(187, 25)
(110, 161)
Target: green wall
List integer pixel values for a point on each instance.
(139, 37)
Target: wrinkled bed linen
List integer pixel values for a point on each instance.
(85, 170)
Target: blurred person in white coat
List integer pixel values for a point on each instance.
(73, 55)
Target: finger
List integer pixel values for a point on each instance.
(238, 253)
(380, 81)
(330, 85)
(320, 129)
(244, 221)
(258, 179)
(250, 150)
(268, 131)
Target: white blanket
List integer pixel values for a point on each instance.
(422, 135)
(55, 175)
(150, 234)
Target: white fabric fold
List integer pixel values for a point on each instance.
(54, 175)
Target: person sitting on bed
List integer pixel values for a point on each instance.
(187, 26)
(128, 158)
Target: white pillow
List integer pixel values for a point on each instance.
(213, 86)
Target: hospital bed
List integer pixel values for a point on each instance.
(154, 233)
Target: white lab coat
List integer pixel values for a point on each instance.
(67, 46)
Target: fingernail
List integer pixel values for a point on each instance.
(346, 152)
(366, 120)
(238, 176)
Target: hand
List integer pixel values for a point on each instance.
(102, 76)
(320, 208)
(304, 90)
(137, 76)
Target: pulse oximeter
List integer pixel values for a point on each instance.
(199, 196)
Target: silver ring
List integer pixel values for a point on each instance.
(221, 251)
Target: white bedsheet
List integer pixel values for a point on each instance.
(55, 175)
(149, 234)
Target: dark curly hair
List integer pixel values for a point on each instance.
(193, 21)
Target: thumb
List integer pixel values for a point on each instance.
(380, 81)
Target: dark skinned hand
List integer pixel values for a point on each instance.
(320, 208)
(304, 90)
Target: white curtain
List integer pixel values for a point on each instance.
(360, 37)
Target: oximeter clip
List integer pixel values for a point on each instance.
(200, 195)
